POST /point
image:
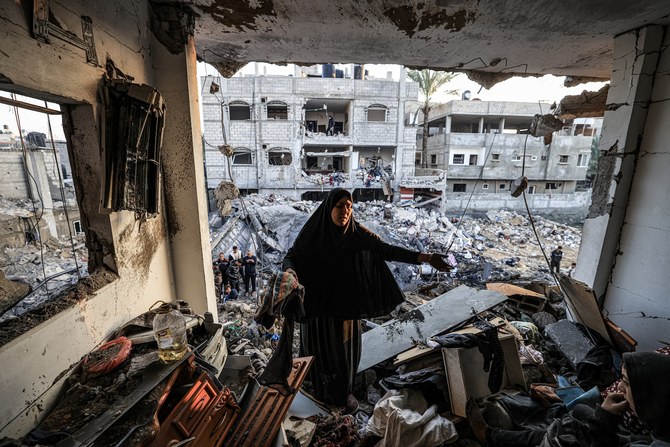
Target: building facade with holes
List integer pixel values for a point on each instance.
(300, 136)
(483, 146)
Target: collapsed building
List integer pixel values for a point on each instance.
(131, 71)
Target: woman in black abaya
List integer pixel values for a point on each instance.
(342, 267)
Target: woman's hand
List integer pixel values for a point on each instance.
(435, 260)
(615, 403)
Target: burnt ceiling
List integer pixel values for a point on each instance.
(496, 39)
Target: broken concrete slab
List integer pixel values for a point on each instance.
(432, 318)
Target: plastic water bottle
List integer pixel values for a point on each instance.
(170, 333)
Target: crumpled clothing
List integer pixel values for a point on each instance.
(284, 299)
(530, 356)
(403, 418)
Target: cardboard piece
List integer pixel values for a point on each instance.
(432, 318)
(466, 375)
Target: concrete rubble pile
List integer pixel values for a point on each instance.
(31, 262)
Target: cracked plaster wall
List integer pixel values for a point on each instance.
(140, 254)
(637, 296)
(623, 255)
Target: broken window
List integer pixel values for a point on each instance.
(459, 187)
(239, 111)
(42, 240)
(495, 157)
(277, 110)
(583, 160)
(418, 156)
(473, 160)
(377, 112)
(133, 134)
(242, 156)
(563, 159)
(551, 185)
(459, 159)
(433, 160)
(531, 190)
(279, 156)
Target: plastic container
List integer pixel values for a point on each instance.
(170, 333)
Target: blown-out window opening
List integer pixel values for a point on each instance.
(377, 113)
(243, 156)
(279, 156)
(239, 111)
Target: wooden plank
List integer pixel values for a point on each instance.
(511, 289)
(583, 306)
(432, 318)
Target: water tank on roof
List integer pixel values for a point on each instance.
(328, 71)
(358, 71)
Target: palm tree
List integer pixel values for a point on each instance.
(429, 83)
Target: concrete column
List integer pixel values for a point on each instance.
(447, 124)
(481, 125)
(38, 183)
(501, 126)
(635, 59)
(400, 125)
(184, 177)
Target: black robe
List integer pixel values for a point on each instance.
(346, 278)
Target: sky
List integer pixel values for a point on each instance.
(546, 89)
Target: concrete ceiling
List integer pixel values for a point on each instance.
(494, 39)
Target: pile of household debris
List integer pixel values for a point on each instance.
(417, 372)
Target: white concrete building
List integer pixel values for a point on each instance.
(481, 147)
(278, 129)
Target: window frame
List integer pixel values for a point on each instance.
(242, 151)
(563, 159)
(280, 150)
(377, 108)
(277, 104)
(238, 105)
(585, 158)
(464, 185)
(462, 158)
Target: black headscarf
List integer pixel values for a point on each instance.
(341, 278)
(648, 374)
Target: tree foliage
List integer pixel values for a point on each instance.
(429, 83)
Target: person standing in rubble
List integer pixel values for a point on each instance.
(234, 275)
(249, 263)
(342, 267)
(556, 257)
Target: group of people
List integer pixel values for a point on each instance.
(233, 271)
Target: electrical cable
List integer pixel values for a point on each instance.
(35, 229)
(62, 194)
(481, 176)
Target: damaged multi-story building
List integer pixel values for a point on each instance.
(482, 147)
(131, 64)
(278, 128)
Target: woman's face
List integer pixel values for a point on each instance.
(341, 212)
(624, 388)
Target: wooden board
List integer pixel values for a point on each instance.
(511, 289)
(583, 306)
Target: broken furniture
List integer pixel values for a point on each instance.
(265, 410)
(523, 299)
(466, 375)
